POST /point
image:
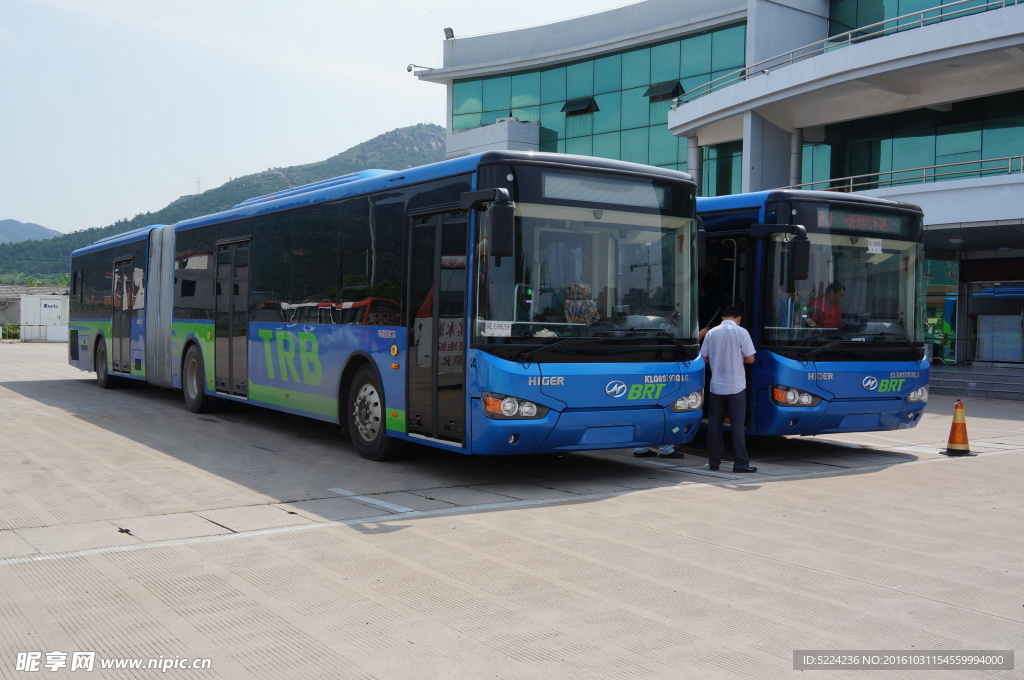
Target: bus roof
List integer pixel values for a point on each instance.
(139, 234)
(759, 198)
(369, 181)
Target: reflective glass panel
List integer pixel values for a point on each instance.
(525, 90)
(552, 85)
(467, 97)
(608, 74)
(636, 68)
(579, 80)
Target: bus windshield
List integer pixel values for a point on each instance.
(861, 289)
(581, 271)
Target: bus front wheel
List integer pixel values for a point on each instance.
(366, 418)
(193, 382)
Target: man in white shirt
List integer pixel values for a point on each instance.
(726, 348)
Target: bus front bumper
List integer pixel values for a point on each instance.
(837, 416)
(582, 430)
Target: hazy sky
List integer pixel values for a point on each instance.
(111, 108)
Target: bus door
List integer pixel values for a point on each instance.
(121, 321)
(436, 392)
(725, 283)
(231, 314)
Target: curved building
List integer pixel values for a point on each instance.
(914, 100)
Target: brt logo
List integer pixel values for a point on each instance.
(283, 346)
(888, 385)
(641, 391)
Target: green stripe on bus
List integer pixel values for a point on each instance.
(395, 420)
(295, 400)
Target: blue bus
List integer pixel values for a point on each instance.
(499, 303)
(832, 289)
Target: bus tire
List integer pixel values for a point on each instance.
(103, 378)
(366, 418)
(193, 382)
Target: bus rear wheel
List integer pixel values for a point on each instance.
(103, 378)
(193, 382)
(366, 419)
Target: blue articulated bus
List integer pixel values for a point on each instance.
(499, 303)
(832, 289)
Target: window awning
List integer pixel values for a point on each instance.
(670, 89)
(577, 107)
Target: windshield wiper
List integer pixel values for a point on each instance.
(686, 349)
(528, 354)
(859, 341)
(903, 338)
(820, 348)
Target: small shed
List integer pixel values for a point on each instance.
(41, 310)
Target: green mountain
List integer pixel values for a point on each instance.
(13, 231)
(48, 261)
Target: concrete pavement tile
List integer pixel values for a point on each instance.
(583, 486)
(13, 545)
(253, 517)
(838, 460)
(332, 509)
(411, 501)
(170, 527)
(525, 492)
(462, 495)
(83, 536)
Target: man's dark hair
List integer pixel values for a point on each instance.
(835, 287)
(732, 312)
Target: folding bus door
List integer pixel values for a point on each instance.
(436, 402)
(231, 353)
(121, 317)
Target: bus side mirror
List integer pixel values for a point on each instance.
(799, 246)
(800, 258)
(502, 238)
(501, 219)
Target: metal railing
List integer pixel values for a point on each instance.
(904, 22)
(988, 167)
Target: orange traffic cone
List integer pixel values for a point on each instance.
(958, 445)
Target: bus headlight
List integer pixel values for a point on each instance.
(918, 396)
(691, 402)
(791, 396)
(503, 407)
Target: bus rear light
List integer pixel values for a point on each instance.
(791, 396)
(502, 407)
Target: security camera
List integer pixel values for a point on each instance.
(409, 68)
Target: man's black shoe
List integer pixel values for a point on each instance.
(673, 454)
(713, 468)
(645, 453)
(744, 469)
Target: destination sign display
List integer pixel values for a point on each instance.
(834, 217)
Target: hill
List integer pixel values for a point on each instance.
(13, 231)
(48, 261)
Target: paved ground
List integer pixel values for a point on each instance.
(136, 530)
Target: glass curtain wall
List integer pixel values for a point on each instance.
(848, 15)
(615, 106)
(979, 136)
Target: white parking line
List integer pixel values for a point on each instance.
(373, 501)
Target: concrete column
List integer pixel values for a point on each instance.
(695, 162)
(796, 157)
(765, 154)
